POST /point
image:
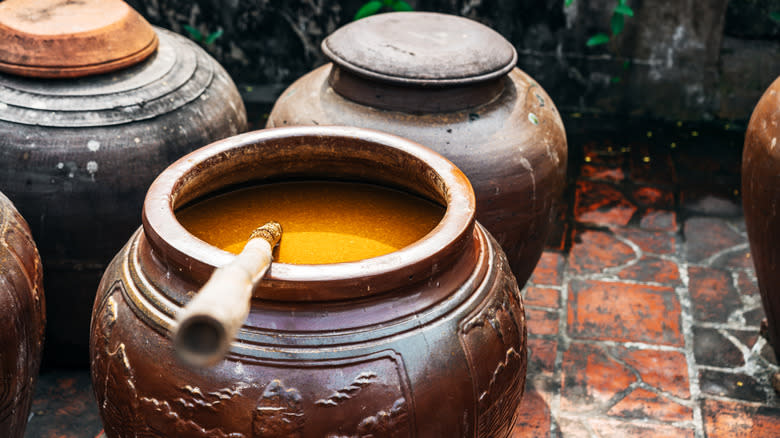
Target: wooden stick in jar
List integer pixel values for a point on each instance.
(206, 327)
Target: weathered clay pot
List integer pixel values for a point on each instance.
(451, 84)
(23, 320)
(427, 341)
(760, 196)
(77, 155)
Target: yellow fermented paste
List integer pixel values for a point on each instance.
(323, 221)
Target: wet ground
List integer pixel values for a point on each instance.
(643, 312)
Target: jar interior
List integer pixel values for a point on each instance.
(324, 221)
(322, 153)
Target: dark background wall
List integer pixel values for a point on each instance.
(687, 59)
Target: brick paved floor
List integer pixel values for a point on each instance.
(643, 313)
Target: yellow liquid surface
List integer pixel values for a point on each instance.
(322, 221)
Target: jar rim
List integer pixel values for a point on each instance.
(300, 152)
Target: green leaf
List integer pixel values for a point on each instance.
(622, 2)
(194, 33)
(568, 2)
(615, 79)
(214, 36)
(388, 3)
(595, 40)
(402, 6)
(624, 10)
(626, 64)
(775, 16)
(617, 23)
(367, 9)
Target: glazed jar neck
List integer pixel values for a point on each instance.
(413, 99)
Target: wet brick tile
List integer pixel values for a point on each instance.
(652, 269)
(649, 241)
(541, 297)
(651, 165)
(723, 419)
(713, 349)
(591, 378)
(754, 317)
(603, 173)
(541, 322)
(747, 284)
(705, 237)
(663, 370)
(768, 353)
(603, 162)
(64, 406)
(739, 258)
(541, 355)
(641, 404)
(736, 386)
(624, 312)
(703, 201)
(601, 204)
(573, 428)
(533, 417)
(713, 294)
(619, 429)
(654, 198)
(748, 338)
(548, 271)
(660, 220)
(593, 251)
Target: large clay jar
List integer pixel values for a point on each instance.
(451, 84)
(79, 153)
(427, 341)
(760, 196)
(23, 320)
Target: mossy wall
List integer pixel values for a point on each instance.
(687, 59)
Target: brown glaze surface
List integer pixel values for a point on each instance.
(23, 309)
(427, 341)
(512, 147)
(761, 194)
(77, 155)
(58, 38)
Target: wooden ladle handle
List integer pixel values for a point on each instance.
(207, 325)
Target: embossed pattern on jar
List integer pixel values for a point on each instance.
(23, 307)
(366, 348)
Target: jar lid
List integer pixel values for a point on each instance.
(421, 48)
(66, 38)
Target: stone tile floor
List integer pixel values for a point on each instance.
(643, 313)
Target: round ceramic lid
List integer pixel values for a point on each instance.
(421, 48)
(69, 38)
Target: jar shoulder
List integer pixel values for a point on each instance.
(522, 121)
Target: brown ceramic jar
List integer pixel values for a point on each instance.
(451, 84)
(760, 196)
(22, 305)
(78, 154)
(427, 341)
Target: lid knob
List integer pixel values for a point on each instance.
(71, 38)
(421, 49)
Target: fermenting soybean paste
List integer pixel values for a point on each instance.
(323, 221)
